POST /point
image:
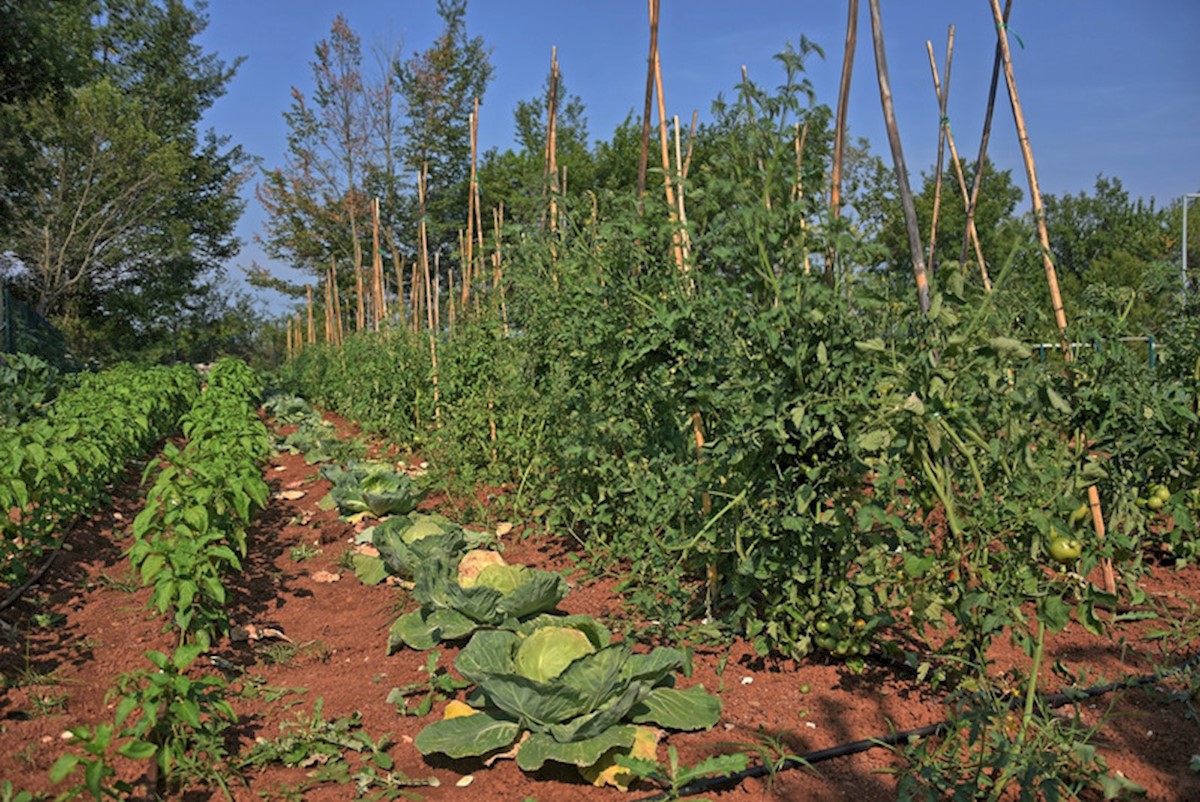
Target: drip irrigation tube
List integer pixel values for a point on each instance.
(1050, 701)
(37, 575)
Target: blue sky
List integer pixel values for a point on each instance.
(1107, 86)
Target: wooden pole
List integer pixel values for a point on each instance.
(972, 234)
(398, 268)
(651, 61)
(380, 299)
(906, 197)
(337, 307)
(981, 162)
(1039, 212)
(839, 141)
(668, 187)
(798, 140)
(943, 122)
(312, 331)
(472, 193)
(423, 244)
(329, 307)
(550, 164)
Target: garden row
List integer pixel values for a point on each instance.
(188, 538)
(58, 464)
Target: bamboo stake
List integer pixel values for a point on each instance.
(422, 236)
(1039, 214)
(381, 308)
(289, 338)
(943, 124)
(337, 307)
(361, 316)
(312, 333)
(798, 140)
(651, 61)
(472, 194)
(981, 162)
(906, 197)
(668, 188)
(398, 267)
(972, 234)
(685, 240)
(328, 307)
(550, 164)
(839, 143)
(497, 265)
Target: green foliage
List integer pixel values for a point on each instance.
(116, 202)
(60, 464)
(314, 741)
(575, 712)
(27, 382)
(438, 686)
(452, 609)
(989, 752)
(192, 528)
(372, 487)
(673, 777)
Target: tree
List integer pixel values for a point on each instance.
(1115, 254)
(124, 207)
(341, 153)
(439, 88)
(999, 232)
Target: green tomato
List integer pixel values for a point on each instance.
(1162, 492)
(1080, 515)
(822, 627)
(1156, 503)
(1065, 550)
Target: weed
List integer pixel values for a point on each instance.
(991, 751)
(313, 741)
(439, 685)
(303, 552)
(126, 584)
(255, 687)
(672, 776)
(283, 653)
(49, 704)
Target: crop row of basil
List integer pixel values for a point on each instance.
(60, 464)
(190, 534)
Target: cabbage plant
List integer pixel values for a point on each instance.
(459, 595)
(406, 542)
(563, 692)
(374, 487)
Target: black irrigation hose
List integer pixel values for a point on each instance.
(36, 576)
(1051, 701)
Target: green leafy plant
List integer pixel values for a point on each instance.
(315, 743)
(460, 596)
(991, 750)
(575, 694)
(372, 487)
(184, 718)
(438, 686)
(672, 777)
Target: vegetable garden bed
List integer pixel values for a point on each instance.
(307, 660)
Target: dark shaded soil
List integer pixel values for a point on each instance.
(87, 622)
